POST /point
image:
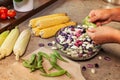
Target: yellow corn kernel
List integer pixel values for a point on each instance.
(51, 31)
(47, 22)
(36, 31)
(34, 20)
(7, 46)
(21, 43)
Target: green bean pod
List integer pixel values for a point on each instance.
(53, 62)
(68, 74)
(31, 63)
(51, 68)
(32, 58)
(55, 74)
(39, 64)
(53, 59)
(27, 65)
(59, 57)
(44, 55)
(87, 23)
(35, 65)
(31, 67)
(40, 67)
(39, 57)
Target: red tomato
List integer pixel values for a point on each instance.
(11, 13)
(3, 16)
(3, 10)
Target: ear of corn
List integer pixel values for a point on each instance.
(47, 26)
(49, 32)
(21, 43)
(7, 46)
(47, 22)
(3, 36)
(33, 21)
(36, 31)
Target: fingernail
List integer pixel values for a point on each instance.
(90, 28)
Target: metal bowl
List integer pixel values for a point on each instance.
(75, 58)
(113, 1)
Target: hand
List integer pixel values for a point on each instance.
(101, 35)
(101, 16)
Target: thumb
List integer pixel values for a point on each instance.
(92, 30)
(90, 33)
(93, 19)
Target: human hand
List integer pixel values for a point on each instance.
(100, 16)
(101, 35)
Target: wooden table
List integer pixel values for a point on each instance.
(77, 10)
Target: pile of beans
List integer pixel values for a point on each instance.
(74, 42)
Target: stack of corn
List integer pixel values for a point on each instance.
(12, 41)
(47, 26)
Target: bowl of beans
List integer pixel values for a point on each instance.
(74, 43)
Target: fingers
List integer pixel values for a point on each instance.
(90, 32)
(93, 16)
(105, 22)
(92, 13)
(93, 19)
(98, 23)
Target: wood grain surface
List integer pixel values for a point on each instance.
(17, 71)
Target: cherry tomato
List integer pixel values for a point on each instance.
(3, 16)
(11, 13)
(3, 10)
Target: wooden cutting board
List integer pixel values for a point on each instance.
(17, 71)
